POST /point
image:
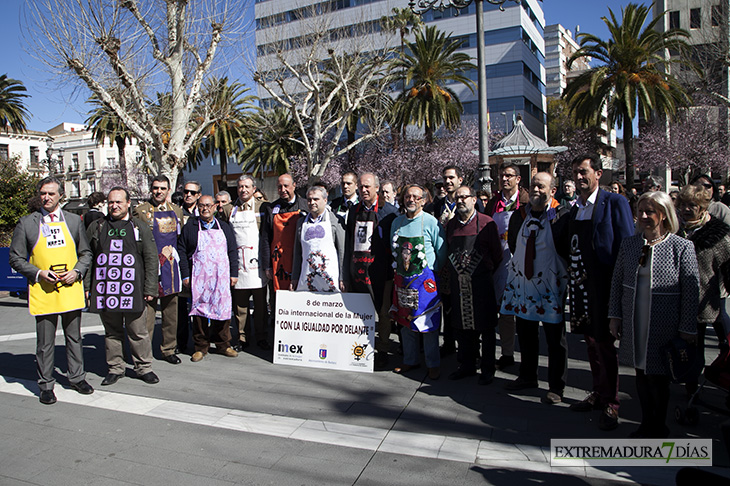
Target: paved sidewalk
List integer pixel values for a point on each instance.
(244, 420)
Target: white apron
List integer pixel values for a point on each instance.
(250, 274)
(500, 273)
(320, 266)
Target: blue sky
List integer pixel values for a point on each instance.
(51, 105)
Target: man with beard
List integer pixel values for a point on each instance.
(598, 223)
(536, 286)
(474, 251)
(367, 265)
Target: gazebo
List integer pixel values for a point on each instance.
(523, 148)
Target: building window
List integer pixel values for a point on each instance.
(75, 189)
(111, 162)
(74, 162)
(34, 156)
(695, 18)
(90, 161)
(4, 151)
(92, 186)
(716, 15)
(674, 19)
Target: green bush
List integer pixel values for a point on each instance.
(16, 189)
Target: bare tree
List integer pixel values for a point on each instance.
(141, 47)
(323, 70)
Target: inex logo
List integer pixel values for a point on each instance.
(290, 348)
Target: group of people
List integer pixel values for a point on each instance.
(467, 264)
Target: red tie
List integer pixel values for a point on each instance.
(52, 216)
(530, 255)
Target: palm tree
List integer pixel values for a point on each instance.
(404, 21)
(104, 122)
(632, 77)
(429, 64)
(12, 110)
(228, 129)
(273, 136)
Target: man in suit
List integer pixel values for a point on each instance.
(49, 247)
(341, 205)
(165, 221)
(598, 222)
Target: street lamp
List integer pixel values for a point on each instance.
(423, 6)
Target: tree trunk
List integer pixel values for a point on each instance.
(629, 149)
(223, 184)
(121, 145)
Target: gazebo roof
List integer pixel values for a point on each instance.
(521, 141)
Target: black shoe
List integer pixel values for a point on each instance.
(82, 387)
(150, 378)
(47, 397)
(608, 419)
(486, 379)
(504, 362)
(172, 359)
(240, 346)
(264, 345)
(462, 373)
(590, 402)
(110, 379)
(520, 384)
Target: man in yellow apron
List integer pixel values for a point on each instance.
(50, 249)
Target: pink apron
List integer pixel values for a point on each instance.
(211, 276)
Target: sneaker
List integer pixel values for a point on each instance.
(608, 419)
(551, 398)
(591, 402)
(520, 384)
(504, 362)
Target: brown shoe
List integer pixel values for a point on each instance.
(434, 373)
(197, 356)
(591, 402)
(229, 352)
(405, 368)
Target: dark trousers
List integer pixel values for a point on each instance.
(46, 345)
(528, 334)
(468, 351)
(241, 300)
(183, 322)
(211, 331)
(653, 392)
(603, 359)
(448, 329)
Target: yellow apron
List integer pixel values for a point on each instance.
(55, 246)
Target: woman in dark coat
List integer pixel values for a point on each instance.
(653, 299)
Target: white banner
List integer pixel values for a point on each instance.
(325, 330)
(631, 452)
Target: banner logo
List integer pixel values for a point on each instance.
(631, 452)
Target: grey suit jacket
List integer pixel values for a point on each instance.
(25, 238)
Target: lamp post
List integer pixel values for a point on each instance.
(422, 6)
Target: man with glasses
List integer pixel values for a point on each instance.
(419, 251)
(367, 265)
(509, 199)
(536, 287)
(209, 267)
(474, 252)
(165, 221)
(191, 194)
(717, 209)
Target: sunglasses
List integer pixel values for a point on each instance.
(188, 191)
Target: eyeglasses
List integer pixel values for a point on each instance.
(462, 197)
(508, 176)
(188, 191)
(645, 252)
(205, 206)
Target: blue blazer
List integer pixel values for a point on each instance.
(612, 222)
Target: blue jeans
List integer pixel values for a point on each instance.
(430, 347)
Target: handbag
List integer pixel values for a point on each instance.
(682, 361)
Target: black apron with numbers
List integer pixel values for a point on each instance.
(117, 280)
